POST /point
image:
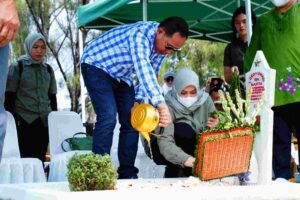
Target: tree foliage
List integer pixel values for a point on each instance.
(204, 57)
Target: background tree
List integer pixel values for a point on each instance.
(204, 57)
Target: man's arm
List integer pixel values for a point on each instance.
(9, 21)
(140, 52)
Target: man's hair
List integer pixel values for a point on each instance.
(172, 25)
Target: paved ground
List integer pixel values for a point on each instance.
(147, 168)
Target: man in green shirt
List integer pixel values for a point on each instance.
(277, 34)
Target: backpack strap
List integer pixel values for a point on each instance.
(20, 65)
(49, 69)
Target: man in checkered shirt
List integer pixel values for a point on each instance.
(111, 63)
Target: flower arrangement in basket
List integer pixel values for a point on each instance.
(226, 150)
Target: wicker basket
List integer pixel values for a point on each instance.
(222, 154)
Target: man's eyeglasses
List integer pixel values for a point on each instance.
(172, 48)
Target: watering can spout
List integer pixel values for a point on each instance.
(146, 136)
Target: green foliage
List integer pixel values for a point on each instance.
(75, 80)
(91, 172)
(204, 57)
(235, 85)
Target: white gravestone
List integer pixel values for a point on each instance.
(261, 78)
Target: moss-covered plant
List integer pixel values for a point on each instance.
(91, 172)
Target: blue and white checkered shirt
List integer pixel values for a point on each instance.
(127, 51)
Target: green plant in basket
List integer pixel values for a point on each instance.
(91, 172)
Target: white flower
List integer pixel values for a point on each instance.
(248, 119)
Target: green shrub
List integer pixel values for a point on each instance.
(91, 172)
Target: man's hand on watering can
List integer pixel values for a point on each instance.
(164, 115)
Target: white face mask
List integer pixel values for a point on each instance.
(187, 101)
(279, 3)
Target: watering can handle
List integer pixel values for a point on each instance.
(161, 130)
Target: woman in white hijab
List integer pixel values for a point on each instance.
(190, 108)
(30, 96)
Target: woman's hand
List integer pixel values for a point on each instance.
(189, 162)
(212, 122)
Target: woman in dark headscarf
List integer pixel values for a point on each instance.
(190, 108)
(30, 96)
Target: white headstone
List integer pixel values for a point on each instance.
(261, 78)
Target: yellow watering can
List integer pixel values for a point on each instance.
(145, 119)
